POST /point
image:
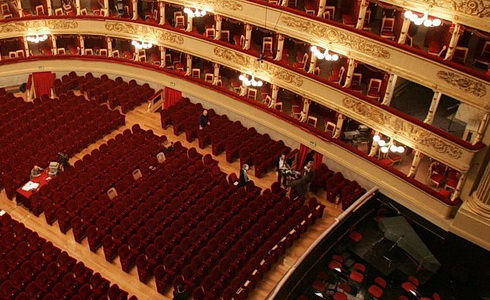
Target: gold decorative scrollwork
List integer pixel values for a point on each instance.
(407, 130)
(36, 25)
(479, 8)
(12, 27)
(146, 32)
(336, 36)
(463, 83)
(228, 4)
(260, 66)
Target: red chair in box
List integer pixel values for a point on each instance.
(437, 173)
(374, 89)
(484, 56)
(452, 179)
(387, 28)
(356, 82)
(301, 63)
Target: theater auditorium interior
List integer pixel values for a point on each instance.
(126, 127)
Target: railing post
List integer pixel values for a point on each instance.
(433, 108)
(390, 88)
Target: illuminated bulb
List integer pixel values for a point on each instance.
(335, 57)
(414, 17)
(400, 149)
(384, 149)
(241, 77)
(328, 57)
(381, 143)
(393, 148)
(320, 55)
(187, 10)
(376, 138)
(313, 49)
(418, 21)
(427, 23)
(408, 14)
(436, 22)
(260, 83)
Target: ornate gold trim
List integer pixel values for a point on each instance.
(479, 8)
(228, 4)
(463, 83)
(336, 36)
(402, 128)
(273, 71)
(36, 25)
(145, 32)
(13, 27)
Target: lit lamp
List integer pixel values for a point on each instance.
(250, 82)
(325, 55)
(422, 20)
(388, 146)
(141, 45)
(194, 14)
(37, 38)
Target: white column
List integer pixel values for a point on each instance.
(215, 73)
(248, 36)
(480, 199)
(161, 6)
(415, 164)
(49, 6)
(108, 41)
(189, 23)
(163, 52)
(19, 8)
(106, 8)
(350, 71)
(433, 108)
(285, 3)
(81, 42)
(362, 14)
(136, 52)
(275, 92)
(188, 59)
(481, 129)
(459, 186)
(313, 61)
(306, 106)
(26, 46)
(338, 129)
(280, 47)
(404, 31)
(218, 24)
(390, 88)
(453, 42)
(374, 146)
(243, 90)
(321, 8)
(53, 44)
(135, 9)
(77, 7)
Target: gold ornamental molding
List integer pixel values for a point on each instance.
(145, 32)
(252, 63)
(228, 4)
(402, 128)
(37, 25)
(463, 83)
(336, 36)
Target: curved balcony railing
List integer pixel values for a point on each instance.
(447, 205)
(438, 144)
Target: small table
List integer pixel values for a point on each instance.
(23, 197)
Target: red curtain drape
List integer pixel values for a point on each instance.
(171, 97)
(303, 151)
(317, 160)
(43, 82)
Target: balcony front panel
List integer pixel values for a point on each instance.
(415, 136)
(389, 57)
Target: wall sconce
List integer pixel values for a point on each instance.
(422, 20)
(250, 82)
(196, 13)
(325, 55)
(37, 38)
(141, 45)
(388, 146)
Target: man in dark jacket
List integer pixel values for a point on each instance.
(242, 181)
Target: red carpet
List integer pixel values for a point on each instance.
(43, 82)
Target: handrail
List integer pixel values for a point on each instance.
(358, 203)
(285, 117)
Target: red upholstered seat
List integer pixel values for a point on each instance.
(355, 236)
(319, 286)
(409, 287)
(445, 193)
(357, 277)
(339, 296)
(375, 291)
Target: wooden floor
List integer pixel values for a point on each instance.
(130, 282)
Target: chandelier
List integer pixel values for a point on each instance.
(37, 38)
(197, 13)
(325, 55)
(250, 82)
(388, 146)
(141, 45)
(422, 20)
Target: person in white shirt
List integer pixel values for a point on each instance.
(282, 167)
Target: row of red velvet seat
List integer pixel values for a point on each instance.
(77, 123)
(32, 268)
(115, 92)
(223, 134)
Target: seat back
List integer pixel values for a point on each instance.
(312, 121)
(210, 33)
(225, 35)
(329, 12)
(356, 79)
(196, 73)
(252, 94)
(39, 10)
(278, 106)
(112, 193)
(388, 24)
(137, 174)
(160, 157)
(374, 84)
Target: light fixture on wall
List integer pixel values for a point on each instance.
(250, 82)
(196, 13)
(141, 45)
(37, 38)
(388, 146)
(325, 55)
(422, 20)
